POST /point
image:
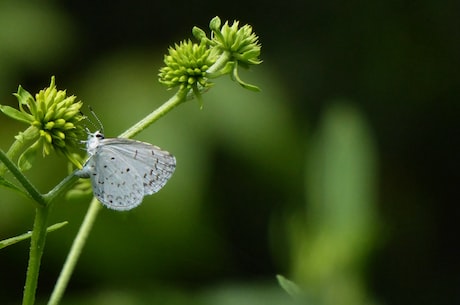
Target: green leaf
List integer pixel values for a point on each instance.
(26, 99)
(30, 134)
(12, 186)
(27, 157)
(198, 33)
(16, 114)
(289, 286)
(215, 23)
(23, 96)
(245, 85)
(10, 241)
(229, 67)
(197, 93)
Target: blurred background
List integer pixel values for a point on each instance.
(340, 175)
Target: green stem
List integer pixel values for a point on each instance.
(95, 206)
(28, 186)
(174, 101)
(18, 145)
(37, 245)
(220, 63)
(75, 252)
(61, 187)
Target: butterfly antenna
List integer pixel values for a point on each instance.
(85, 117)
(101, 127)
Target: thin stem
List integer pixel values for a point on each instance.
(75, 252)
(37, 245)
(28, 186)
(95, 206)
(220, 63)
(175, 100)
(61, 187)
(18, 145)
(12, 240)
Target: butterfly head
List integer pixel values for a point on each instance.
(94, 138)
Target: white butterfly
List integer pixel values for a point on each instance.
(123, 171)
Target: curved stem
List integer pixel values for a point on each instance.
(75, 252)
(95, 206)
(18, 145)
(220, 63)
(174, 101)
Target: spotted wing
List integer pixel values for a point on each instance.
(153, 165)
(114, 187)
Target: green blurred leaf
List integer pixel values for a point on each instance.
(16, 114)
(341, 222)
(10, 241)
(289, 286)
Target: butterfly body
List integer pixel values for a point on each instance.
(123, 171)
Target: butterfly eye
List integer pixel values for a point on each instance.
(99, 135)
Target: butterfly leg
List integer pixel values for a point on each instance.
(86, 172)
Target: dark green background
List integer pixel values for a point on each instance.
(223, 226)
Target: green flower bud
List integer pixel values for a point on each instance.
(186, 65)
(241, 42)
(56, 118)
(215, 23)
(198, 33)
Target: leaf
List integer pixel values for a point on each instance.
(214, 24)
(198, 33)
(10, 241)
(289, 286)
(16, 114)
(27, 157)
(245, 85)
(30, 134)
(197, 93)
(23, 96)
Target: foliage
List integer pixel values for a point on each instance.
(56, 124)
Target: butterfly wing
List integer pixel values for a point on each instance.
(112, 186)
(126, 170)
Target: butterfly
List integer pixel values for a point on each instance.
(123, 171)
